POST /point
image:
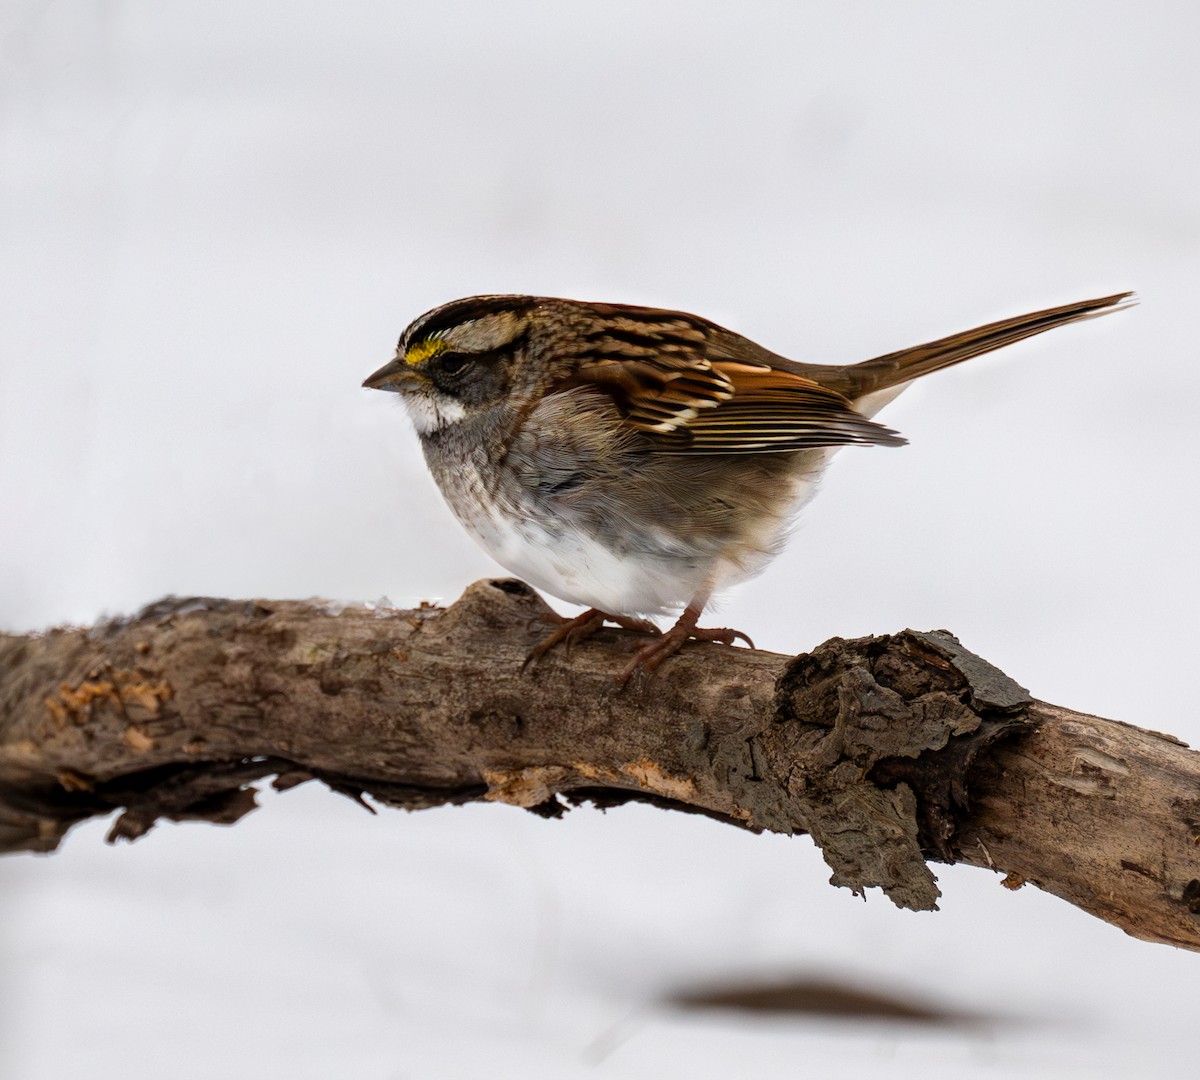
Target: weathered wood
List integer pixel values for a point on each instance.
(890, 751)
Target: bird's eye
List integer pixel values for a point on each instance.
(453, 363)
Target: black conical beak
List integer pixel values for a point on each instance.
(396, 375)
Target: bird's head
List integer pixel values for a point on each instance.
(462, 358)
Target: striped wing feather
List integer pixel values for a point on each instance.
(689, 404)
(695, 388)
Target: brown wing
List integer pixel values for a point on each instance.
(690, 404)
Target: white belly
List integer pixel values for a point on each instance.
(572, 565)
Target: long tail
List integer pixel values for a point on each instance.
(894, 369)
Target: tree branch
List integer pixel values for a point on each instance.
(890, 750)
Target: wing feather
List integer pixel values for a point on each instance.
(691, 404)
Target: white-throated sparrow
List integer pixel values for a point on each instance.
(633, 460)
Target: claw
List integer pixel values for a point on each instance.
(649, 656)
(573, 631)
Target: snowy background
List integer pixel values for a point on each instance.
(217, 217)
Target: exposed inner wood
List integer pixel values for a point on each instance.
(891, 751)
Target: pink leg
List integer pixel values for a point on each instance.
(649, 656)
(573, 631)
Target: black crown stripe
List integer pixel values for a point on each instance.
(468, 310)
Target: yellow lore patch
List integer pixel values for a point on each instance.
(421, 351)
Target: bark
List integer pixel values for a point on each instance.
(891, 751)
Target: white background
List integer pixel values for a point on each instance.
(217, 218)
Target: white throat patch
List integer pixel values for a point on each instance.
(429, 414)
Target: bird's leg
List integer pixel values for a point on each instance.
(573, 631)
(650, 655)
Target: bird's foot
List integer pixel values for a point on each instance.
(573, 631)
(650, 655)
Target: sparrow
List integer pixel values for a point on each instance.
(635, 460)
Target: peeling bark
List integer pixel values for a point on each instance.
(891, 751)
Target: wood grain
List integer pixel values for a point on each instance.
(892, 751)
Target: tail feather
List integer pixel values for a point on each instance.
(894, 369)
